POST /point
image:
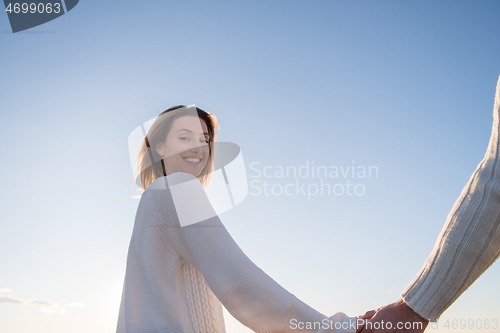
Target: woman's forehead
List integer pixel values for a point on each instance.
(192, 123)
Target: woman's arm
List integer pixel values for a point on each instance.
(248, 293)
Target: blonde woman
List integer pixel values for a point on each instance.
(178, 276)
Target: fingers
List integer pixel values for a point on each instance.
(368, 314)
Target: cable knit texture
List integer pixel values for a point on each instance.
(205, 308)
(470, 240)
(177, 277)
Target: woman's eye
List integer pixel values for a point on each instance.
(205, 141)
(184, 138)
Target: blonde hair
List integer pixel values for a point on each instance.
(150, 164)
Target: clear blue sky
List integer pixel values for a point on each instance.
(405, 86)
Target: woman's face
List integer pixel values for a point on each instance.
(186, 147)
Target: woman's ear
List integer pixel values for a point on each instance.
(159, 148)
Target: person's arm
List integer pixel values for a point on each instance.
(248, 293)
(468, 244)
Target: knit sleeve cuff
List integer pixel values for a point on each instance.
(416, 298)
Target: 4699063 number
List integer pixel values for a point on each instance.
(33, 8)
(471, 324)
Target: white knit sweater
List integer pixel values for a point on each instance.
(470, 240)
(177, 277)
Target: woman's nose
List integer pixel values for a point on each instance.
(196, 148)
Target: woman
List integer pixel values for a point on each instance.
(177, 276)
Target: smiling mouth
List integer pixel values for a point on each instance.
(192, 160)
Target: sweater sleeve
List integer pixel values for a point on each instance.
(249, 294)
(470, 240)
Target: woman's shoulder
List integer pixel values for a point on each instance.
(179, 187)
(160, 190)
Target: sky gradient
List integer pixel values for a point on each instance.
(407, 87)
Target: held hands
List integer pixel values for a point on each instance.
(393, 318)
